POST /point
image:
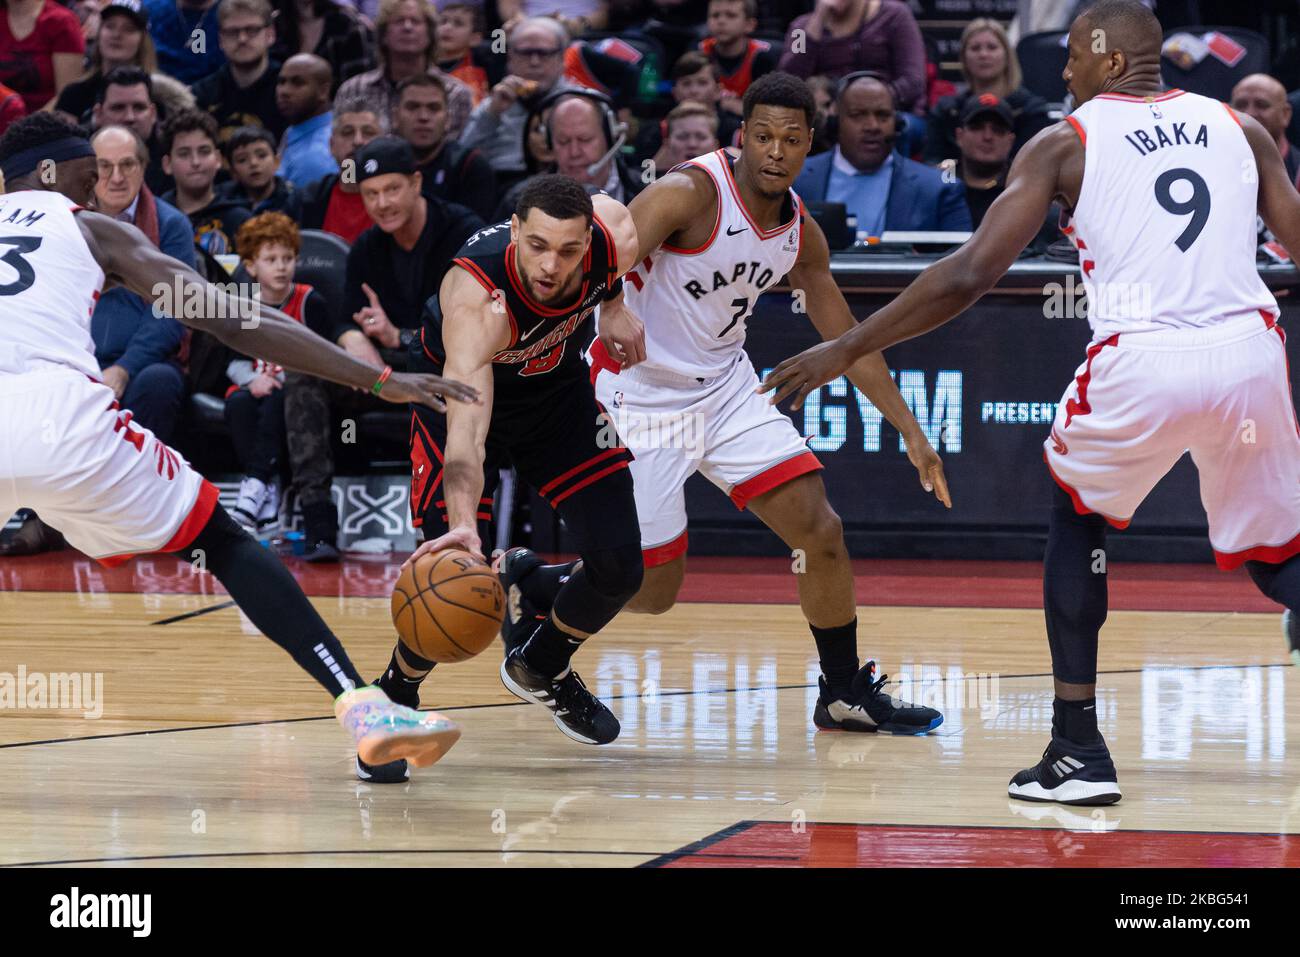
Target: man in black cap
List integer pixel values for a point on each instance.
(985, 136)
(393, 269)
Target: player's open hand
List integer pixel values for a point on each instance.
(929, 467)
(424, 389)
(799, 375)
(459, 537)
(622, 333)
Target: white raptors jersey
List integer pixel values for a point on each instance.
(49, 283)
(694, 302)
(1165, 222)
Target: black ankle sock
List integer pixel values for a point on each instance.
(1076, 721)
(838, 650)
(549, 650)
(265, 591)
(397, 684)
(541, 585)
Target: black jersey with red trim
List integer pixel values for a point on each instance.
(542, 347)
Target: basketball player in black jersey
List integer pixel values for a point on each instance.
(511, 319)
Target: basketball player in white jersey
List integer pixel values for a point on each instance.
(113, 489)
(714, 234)
(1186, 353)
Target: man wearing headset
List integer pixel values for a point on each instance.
(881, 188)
(584, 136)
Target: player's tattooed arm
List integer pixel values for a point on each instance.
(129, 259)
(1279, 203)
(811, 280)
(474, 329)
(1048, 167)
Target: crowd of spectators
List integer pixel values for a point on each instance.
(224, 128)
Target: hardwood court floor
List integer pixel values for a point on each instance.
(213, 749)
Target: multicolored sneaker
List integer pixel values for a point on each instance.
(384, 731)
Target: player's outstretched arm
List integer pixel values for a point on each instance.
(952, 284)
(1279, 203)
(666, 207)
(811, 280)
(474, 329)
(622, 333)
(128, 257)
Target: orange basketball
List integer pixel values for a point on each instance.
(447, 606)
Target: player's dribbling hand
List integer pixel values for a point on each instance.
(425, 389)
(622, 333)
(459, 537)
(929, 467)
(799, 375)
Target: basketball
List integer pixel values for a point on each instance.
(447, 606)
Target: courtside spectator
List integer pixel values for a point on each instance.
(49, 55)
(695, 79)
(394, 268)
(451, 172)
(881, 188)
(333, 203)
(252, 161)
(738, 57)
(191, 157)
(333, 32)
(269, 245)
(534, 68)
(1264, 98)
(692, 132)
(242, 92)
(127, 99)
(302, 94)
(173, 25)
(406, 47)
(121, 39)
(843, 36)
(459, 34)
(991, 68)
(135, 346)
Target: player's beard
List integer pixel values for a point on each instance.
(563, 291)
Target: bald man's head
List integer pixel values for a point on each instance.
(303, 89)
(1264, 98)
(1111, 42)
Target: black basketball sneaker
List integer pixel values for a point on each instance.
(1069, 774)
(869, 708)
(522, 616)
(577, 712)
(1291, 628)
(394, 772)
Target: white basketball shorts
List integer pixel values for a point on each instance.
(111, 487)
(676, 425)
(1140, 400)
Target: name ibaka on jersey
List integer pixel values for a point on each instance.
(1147, 143)
(701, 288)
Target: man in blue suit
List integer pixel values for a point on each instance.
(883, 189)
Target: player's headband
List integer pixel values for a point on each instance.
(61, 150)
